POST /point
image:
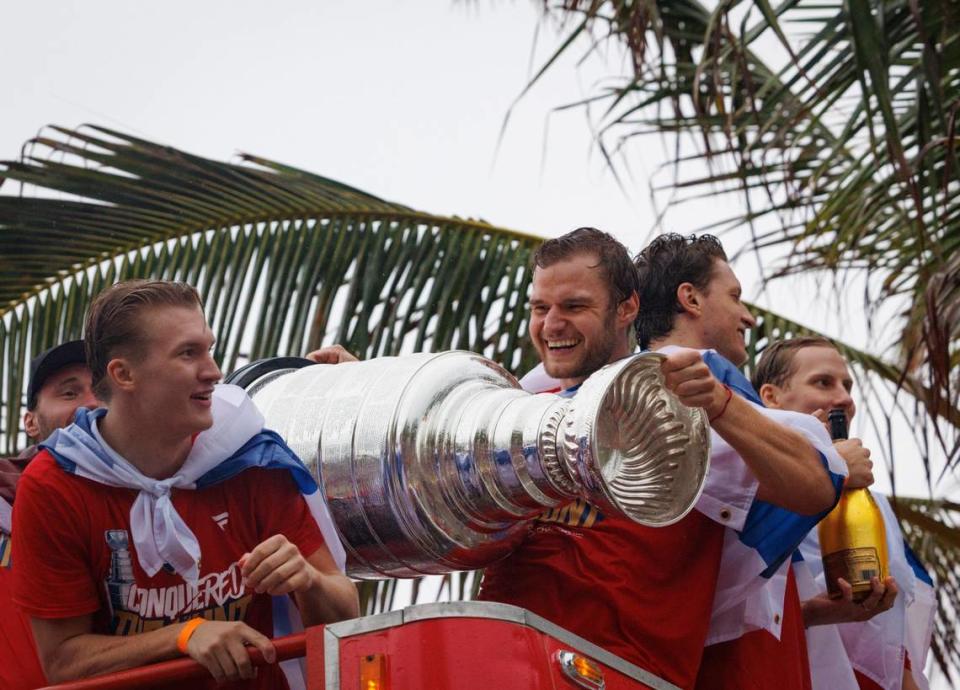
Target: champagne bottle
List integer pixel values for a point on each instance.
(853, 542)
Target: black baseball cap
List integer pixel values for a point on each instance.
(50, 362)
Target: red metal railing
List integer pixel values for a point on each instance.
(289, 647)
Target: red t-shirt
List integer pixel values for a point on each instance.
(19, 667)
(643, 593)
(757, 660)
(75, 555)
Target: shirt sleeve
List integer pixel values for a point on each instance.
(774, 532)
(295, 522)
(52, 575)
(730, 487)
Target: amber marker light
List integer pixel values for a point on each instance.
(581, 670)
(373, 672)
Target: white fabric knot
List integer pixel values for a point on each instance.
(163, 538)
(159, 533)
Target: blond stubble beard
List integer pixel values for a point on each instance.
(597, 357)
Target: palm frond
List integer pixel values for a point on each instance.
(389, 595)
(843, 153)
(285, 260)
(932, 529)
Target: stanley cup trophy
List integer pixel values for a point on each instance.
(432, 463)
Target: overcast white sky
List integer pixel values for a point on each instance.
(401, 99)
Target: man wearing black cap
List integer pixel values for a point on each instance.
(59, 385)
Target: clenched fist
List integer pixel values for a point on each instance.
(859, 464)
(688, 377)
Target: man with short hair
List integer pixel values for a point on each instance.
(159, 516)
(643, 593)
(691, 298)
(59, 383)
(852, 645)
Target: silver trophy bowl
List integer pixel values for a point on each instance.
(433, 463)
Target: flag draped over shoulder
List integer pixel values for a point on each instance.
(752, 584)
(235, 442)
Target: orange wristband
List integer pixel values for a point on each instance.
(186, 631)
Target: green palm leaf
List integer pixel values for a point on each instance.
(932, 529)
(285, 259)
(844, 153)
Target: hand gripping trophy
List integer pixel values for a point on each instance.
(432, 463)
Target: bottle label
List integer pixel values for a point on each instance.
(856, 566)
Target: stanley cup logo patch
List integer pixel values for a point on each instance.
(120, 579)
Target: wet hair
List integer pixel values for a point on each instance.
(775, 365)
(612, 259)
(113, 325)
(666, 263)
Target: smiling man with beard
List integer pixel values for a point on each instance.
(579, 310)
(643, 593)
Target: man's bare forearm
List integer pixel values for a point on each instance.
(333, 598)
(788, 469)
(85, 654)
